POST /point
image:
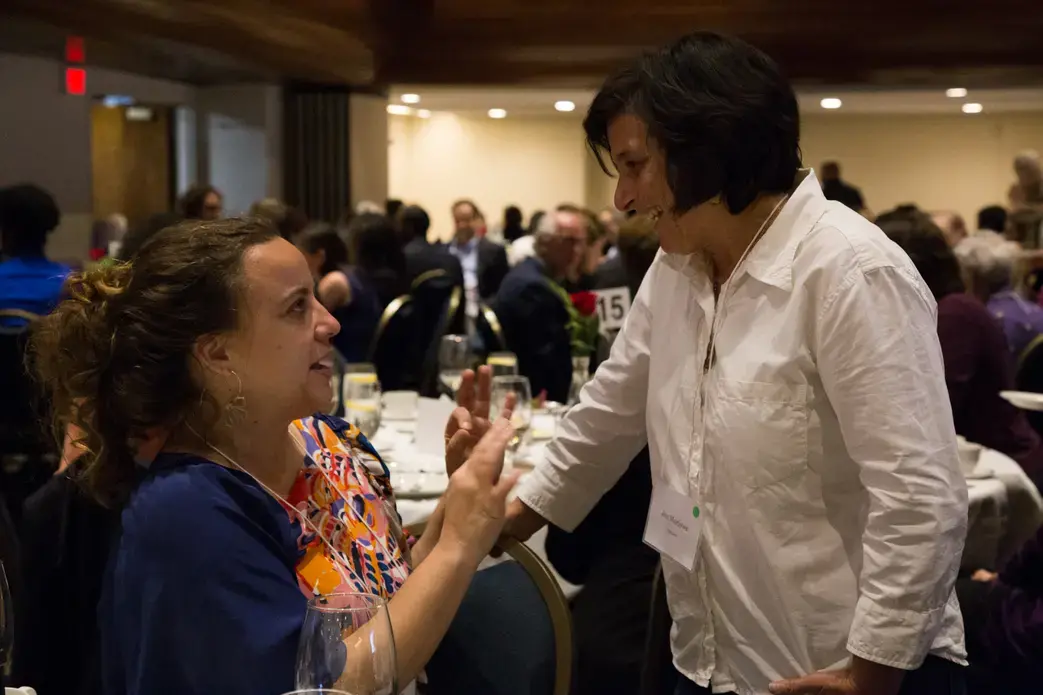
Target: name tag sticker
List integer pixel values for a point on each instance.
(674, 525)
(613, 305)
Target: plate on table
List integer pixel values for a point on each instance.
(418, 486)
(1023, 399)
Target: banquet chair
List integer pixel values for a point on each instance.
(512, 634)
(1029, 377)
(392, 351)
(658, 674)
(489, 331)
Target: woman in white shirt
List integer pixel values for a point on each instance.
(781, 361)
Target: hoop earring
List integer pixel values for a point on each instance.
(235, 409)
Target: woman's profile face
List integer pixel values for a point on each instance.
(642, 186)
(282, 351)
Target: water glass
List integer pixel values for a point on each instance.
(362, 403)
(503, 363)
(522, 418)
(453, 358)
(347, 645)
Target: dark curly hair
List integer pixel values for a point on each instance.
(115, 357)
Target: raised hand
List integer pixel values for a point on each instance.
(476, 501)
(470, 420)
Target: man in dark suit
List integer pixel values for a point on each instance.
(421, 255)
(532, 307)
(484, 262)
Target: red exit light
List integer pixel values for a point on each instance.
(74, 50)
(75, 81)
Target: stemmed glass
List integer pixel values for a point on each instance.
(347, 645)
(503, 386)
(453, 359)
(362, 403)
(503, 363)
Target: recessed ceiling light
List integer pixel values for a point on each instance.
(831, 103)
(956, 92)
(564, 105)
(423, 113)
(399, 110)
(497, 113)
(972, 107)
(410, 98)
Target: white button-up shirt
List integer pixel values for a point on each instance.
(823, 455)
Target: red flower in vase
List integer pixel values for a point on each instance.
(586, 303)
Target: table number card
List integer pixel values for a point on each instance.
(613, 305)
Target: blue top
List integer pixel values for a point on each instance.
(30, 283)
(358, 319)
(212, 608)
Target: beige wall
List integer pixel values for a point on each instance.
(368, 142)
(960, 163)
(938, 162)
(534, 163)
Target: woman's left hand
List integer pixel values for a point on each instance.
(470, 421)
(860, 678)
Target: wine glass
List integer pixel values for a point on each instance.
(453, 359)
(362, 404)
(347, 645)
(503, 363)
(522, 418)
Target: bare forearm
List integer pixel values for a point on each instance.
(429, 538)
(420, 613)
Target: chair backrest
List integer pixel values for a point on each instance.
(20, 407)
(512, 634)
(1029, 377)
(489, 330)
(392, 351)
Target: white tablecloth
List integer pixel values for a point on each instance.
(1004, 510)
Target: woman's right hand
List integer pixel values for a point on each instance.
(476, 501)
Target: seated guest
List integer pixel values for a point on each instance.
(141, 233)
(835, 188)
(287, 219)
(988, 269)
(513, 229)
(974, 349)
(201, 202)
(1003, 614)
(589, 254)
(421, 255)
(533, 307)
(992, 219)
(28, 280)
(952, 226)
(220, 475)
(344, 291)
(484, 262)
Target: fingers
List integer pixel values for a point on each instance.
(509, 403)
(506, 484)
(460, 419)
(814, 684)
(487, 455)
(483, 397)
(458, 449)
(465, 394)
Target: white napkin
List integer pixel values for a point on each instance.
(431, 417)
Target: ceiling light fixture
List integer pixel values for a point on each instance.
(410, 98)
(497, 113)
(956, 92)
(423, 113)
(399, 110)
(972, 107)
(831, 103)
(565, 106)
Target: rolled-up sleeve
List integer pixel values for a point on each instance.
(876, 346)
(601, 434)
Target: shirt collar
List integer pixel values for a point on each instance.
(469, 247)
(771, 258)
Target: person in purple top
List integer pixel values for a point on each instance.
(988, 262)
(974, 349)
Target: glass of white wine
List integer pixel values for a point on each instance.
(503, 363)
(453, 358)
(362, 404)
(502, 387)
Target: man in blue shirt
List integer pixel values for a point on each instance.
(28, 281)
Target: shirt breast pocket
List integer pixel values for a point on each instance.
(762, 431)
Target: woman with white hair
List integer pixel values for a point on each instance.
(988, 264)
(1028, 191)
